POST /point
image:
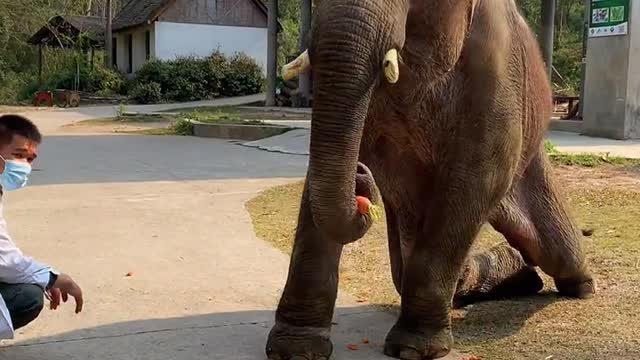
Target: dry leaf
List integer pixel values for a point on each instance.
(352, 347)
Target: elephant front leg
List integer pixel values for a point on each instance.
(431, 273)
(305, 311)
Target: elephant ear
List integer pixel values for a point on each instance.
(435, 35)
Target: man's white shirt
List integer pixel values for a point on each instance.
(16, 268)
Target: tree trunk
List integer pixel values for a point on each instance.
(548, 17)
(108, 36)
(272, 52)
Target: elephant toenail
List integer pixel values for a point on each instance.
(409, 354)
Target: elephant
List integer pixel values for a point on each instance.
(436, 109)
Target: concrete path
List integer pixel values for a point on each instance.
(297, 142)
(170, 210)
(576, 143)
(50, 120)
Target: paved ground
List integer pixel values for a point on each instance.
(297, 142)
(170, 210)
(50, 120)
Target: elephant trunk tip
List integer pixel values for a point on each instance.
(348, 219)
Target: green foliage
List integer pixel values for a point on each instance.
(147, 92)
(586, 160)
(191, 78)
(107, 81)
(549, 147)
(182, 127)
(567, 57)
(243, 77)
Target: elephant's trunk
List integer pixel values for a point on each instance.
(346, 58)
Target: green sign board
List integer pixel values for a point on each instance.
(609, 18)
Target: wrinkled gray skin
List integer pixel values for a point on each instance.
(454, 144)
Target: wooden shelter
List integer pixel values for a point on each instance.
(86, 32)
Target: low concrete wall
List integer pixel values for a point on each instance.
(237, 132)
(574, 126)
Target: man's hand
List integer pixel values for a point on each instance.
(62, 288)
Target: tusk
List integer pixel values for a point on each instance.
(298, 66)
(390, 65)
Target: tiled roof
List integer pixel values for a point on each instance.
(138, 12)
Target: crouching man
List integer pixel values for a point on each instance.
(24, 282)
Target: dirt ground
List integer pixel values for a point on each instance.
(604, 198)
(133, 125)
(5, 109)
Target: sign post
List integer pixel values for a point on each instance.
(609, 18)
(612, 95)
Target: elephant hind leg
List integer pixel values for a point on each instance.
(499, 272)
(534, 220)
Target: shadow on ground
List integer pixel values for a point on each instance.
(242, 335)
(238, 335)
(126, 158)
(494, 320)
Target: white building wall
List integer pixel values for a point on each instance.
(138, 47)
(177, 39)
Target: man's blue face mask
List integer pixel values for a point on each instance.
(15, 174)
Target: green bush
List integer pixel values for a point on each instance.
(182, 127)
(107, 81)
(11, 85)
(99, 80)
(244, 77)
(191, 78)
(217, 69)
(155, 71)
(147, 93)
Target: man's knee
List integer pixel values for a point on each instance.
(24, 301)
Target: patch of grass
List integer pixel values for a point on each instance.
(131, 119)
(242, 113)
(222, 115)
(180, 127)
(604, 327)
(586, 160)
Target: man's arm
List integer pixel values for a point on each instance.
(16, 268)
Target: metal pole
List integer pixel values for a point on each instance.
(548, 19)
(108, 35)
(585, 40)
(272, 52)
(304, 81)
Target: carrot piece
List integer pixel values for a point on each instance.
(363, 205)
(366, 207)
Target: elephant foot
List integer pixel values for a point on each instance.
(417, 345)
(287, 342)
(582, 287)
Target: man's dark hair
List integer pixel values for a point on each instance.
(11, 125)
